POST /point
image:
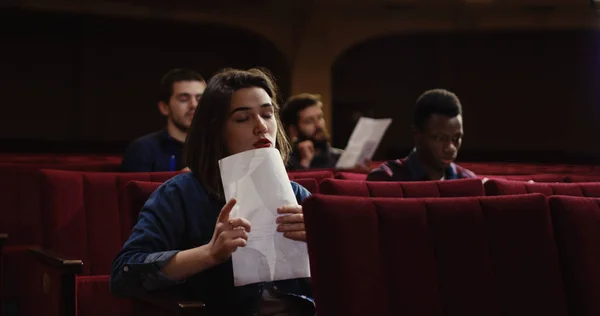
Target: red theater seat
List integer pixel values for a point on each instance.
(508, 187)
(576, 223)
(20, 215)
(82, 222)
(454, 188)
(442, 256)
(135, 195)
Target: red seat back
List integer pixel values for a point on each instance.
(134, 196)
(577, 227)
(351, 176)
(443, 256)
(507, 168)
(454, 188)
(308, 183)
(508, 187)
(583, 178)
(81, 216)
(316, 174)
(20, 191)
(136, 193)
(549, 177)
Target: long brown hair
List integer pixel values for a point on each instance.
(206, 144)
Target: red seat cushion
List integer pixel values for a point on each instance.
(443, 256)
(462, 187)
(94, 298)
(508, 187)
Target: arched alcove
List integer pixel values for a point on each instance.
(526, 95)
(91, 78)
(382, 77)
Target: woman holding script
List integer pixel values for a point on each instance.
(185, 236)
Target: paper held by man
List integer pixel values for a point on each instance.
(257, 179)
(363, 142)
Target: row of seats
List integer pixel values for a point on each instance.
(455, 188)
(46, 158)
(20, 216)
(20, 193)
(23, 215)
(542, 177)
(23, 188)
(352, 276)
(53, 210)
(505, 255)
(84, 217)
(492, 168)
(62, 189)
(506, 168)
(75, 215)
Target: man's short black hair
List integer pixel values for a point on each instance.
(295, 104)
(436, 101)
(175, 75)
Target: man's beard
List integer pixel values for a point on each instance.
(321, 143)
(180, 126)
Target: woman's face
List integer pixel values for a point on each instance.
(251, 121)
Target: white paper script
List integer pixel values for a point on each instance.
(363, 142)
(257, 179)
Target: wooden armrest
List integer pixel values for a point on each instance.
(173, 304)
(68, 270)
(68, 266)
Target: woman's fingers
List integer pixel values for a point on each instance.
(234, 233)
(290, 209)
(290, 227)
(240, 222)
(294, 218)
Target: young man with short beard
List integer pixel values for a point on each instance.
(179, 93)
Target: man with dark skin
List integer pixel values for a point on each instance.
(437, 134)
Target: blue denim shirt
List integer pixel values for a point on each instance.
(181, 215)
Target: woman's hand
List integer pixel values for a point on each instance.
(229, 234)
(307, 153)
(291, 224)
